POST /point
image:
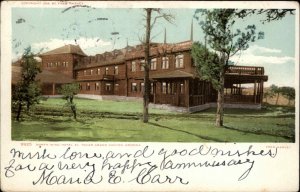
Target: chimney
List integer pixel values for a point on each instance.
(165, 37)
(192, 30)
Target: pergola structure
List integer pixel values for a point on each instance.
(236, 76)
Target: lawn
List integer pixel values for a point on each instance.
(120, 121)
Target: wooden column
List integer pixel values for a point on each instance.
(262, 91)
(154, 91)
(254, 92)
(177, 93)
(186, 93)
(53, 88)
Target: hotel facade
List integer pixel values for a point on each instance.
(173, 76)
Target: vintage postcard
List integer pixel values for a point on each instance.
(149, 96)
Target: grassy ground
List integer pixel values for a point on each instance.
(120, 121)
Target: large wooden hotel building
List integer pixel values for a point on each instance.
(173, 76)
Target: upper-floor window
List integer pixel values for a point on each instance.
(153, 64)
(67, 64)
(116, 70)
(106, 71)
(133, 66)
(91, 71)
(58, 64)
(84, 72)
(80, 86)
(179, 61)
(98, 71)
(165, 63)
(142, 65)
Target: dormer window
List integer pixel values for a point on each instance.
(179, 61)
(133, 66)
(142, 65)
(116, 72)
(165, 63)
(153, 64)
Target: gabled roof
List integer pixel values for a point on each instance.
(44, 77)
(73, 49)
(53, 77)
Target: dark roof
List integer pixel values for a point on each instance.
(44, 77)
(53, 77)
(73, 49)
(171, 74)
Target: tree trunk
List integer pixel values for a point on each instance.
(19, 112)
(220, 101)
(147, 66)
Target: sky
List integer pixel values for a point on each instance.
(97, 30)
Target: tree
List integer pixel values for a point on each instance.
(26, 92)
(69, 91)
(289, 93)
(276, 90)
(149, 26)
(271, 14)
(220, 36)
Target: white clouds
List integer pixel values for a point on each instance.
(89, 45)
(260, 56)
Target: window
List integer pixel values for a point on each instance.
(91, 71)
(153, 64)
(88, 87)
(165, 63)
(179, 61)
(152, 89)
(80, 86)
(181, 88)
(55, 64)
(84, 72)
(142, 87)
(116, 72)
(116, 87)
(169, 88)
(59, 64)
(106, 71)
(133, 66)
(64, 64)
(108, 87)
(97, 87)
(50, 64)
(67, 64)
(133, 87)
(98, 71)
(164, 88)
(142, 65)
